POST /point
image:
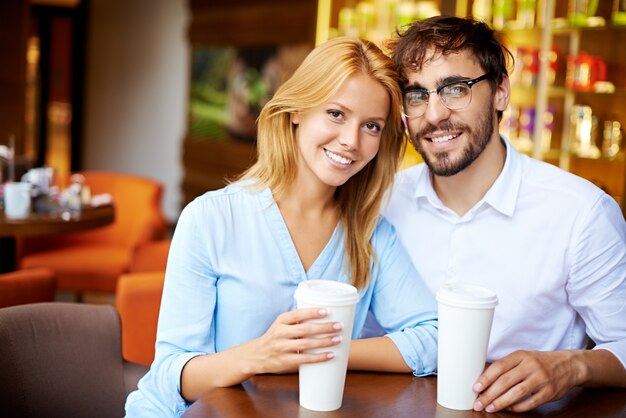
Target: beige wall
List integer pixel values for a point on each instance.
(137, 90)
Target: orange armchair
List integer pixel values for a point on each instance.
(27, 286)
(151, 256)
(138, 300)
(94, 260)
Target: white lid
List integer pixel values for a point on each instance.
(326, 293)
(467, 296)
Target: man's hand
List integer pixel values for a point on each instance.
(524, 380)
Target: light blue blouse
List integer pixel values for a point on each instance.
(233, 268)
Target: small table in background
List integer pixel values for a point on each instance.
(45, 224)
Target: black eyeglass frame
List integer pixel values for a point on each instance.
(469, 83)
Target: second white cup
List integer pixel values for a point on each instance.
(322, 384)
(465, 317)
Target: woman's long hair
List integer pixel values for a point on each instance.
(318, 78)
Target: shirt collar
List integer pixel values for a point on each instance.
(502, 195)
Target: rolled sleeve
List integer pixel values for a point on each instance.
(418, 348)
(404, 306)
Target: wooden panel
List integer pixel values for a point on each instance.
(208, 163)
(609, 175)
(13, 35)
(249, 22)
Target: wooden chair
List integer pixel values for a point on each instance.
(27, 286)
(63, 360)
(94, 260)
(138, 300)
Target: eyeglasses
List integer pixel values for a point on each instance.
(455, 95)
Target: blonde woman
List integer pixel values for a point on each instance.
(329, 144)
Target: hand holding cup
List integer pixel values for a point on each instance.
(294, 339)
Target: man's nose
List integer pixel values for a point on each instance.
(436, 111)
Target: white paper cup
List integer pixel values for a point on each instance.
(17, 200)
(321, 384)
(465, 317)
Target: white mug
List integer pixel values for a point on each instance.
(321, 385)
(465, 317)
(17, 200)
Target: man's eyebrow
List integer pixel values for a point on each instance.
(440, 82)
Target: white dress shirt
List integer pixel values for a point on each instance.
(550, 244)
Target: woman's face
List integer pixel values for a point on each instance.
(339, 137)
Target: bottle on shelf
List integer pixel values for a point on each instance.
(584, 132)
(518, 125)
(378, 19)
(612, 139)
(584, 71)
(503, 13)
(526, 13)
(618, 17)
(582, 13)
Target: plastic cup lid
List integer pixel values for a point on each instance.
(326, 292)
(466, 296)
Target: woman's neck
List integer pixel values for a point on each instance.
(306, 196)
(311, 215)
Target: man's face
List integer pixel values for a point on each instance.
(451, 140)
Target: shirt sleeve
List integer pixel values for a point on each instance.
(403, 304)
(597, 283)
(185, 327)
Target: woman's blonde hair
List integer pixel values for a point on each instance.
(318, 78)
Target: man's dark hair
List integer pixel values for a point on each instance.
(447, 35)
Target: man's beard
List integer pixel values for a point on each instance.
(440, 163)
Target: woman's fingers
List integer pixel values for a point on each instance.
(302, 323)
(297, 337)
(300, 315)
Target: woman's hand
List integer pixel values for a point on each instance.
(281, 349)
(291, 339)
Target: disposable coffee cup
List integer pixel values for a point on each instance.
(322, 384)
(17, 200)
(465, 317)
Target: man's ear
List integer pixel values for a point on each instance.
(503, 94)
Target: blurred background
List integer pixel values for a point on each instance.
(170, 89)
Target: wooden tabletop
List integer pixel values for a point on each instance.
(383, 395)
(57, 222)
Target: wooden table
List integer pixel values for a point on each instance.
(46, 224)
(383, 395)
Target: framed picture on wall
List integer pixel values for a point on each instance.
(230, 85)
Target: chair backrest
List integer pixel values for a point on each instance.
(138, 217)
(61, 360)
(138, 300)
(27, 286)
(138, 214)
(151, 256)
